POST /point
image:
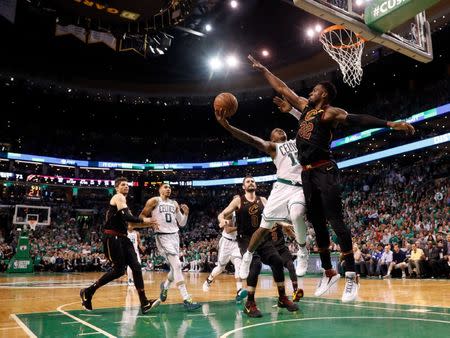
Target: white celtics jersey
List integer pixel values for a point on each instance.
(286, 161)
(133, 238)
(232, 235)
(164, 213)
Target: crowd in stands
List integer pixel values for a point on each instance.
(389, 208)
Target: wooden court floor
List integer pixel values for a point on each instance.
(48, 305)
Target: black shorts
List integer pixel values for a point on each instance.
(285, 254)
(119, 250)
(264, 252)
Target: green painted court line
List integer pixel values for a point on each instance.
(316, 317)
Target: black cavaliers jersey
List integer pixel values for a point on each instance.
(277, 236)
(114, 220)
(314, 136)
(248, 216)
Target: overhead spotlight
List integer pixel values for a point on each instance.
(208, 27)
(265, 53)
(359, 2)
(318, 28)
(215, 63)
(233, 4)
(310, 33)
(232, 61)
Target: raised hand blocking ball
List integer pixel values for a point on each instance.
(226, 102)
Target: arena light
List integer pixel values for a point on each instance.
(318, 28)
(310, 32)
(215, 63)
(232, 61)
(233, 4)
(208, 27)
(265, 53)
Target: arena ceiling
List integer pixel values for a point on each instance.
(32, 49)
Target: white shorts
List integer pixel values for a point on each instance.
(278, 205)
(227, 250)
(168, 244)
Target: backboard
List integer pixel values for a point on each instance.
(411, 38)
(23, 214)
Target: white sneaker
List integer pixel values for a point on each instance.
(403, 275)
(351, 287)
(245, 265)
(206, 285)
(330, 277)
(302, 261)
(130, 282)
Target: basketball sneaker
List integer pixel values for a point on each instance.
(245, 265)
(241, 294)
(351, 287)
(150, 304)
(206, 285)
(297, 295)
(86, 300)
(284, 302)
(190, 305)
(302, 261)
(329, 278)
(251, 310)
(163, 293)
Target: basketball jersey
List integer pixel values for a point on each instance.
(164, 213)
(231, 235)
(314, 136)
(114, 221)
(248, 216)
(286, 161)
(133, 238)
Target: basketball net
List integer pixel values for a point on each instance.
(32, 224)
(345, 47)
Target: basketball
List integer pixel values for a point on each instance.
(227, 102)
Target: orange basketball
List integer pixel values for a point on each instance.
(227, 102)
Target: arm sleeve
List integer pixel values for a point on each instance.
(181, 219)
(294, 112)
(364, 120)
(126, 216)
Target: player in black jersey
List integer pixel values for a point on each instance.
(277, 234)
(317, 122)
(119, 249)
(248, 209)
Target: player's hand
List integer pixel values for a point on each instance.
(151, 223)
(220, 117)
(185, 209)
(256, 64)
(402, 126)
(283, 105)
(224, 223)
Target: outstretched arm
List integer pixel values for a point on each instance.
(224, 217)
(265, 146)
(285, 107)
(366, 121)
(281, 87)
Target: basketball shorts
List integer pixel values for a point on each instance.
(281, 199)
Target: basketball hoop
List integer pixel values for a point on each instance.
(345, 47)
(32, 223)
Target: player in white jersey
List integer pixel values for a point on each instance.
(135, 238)
(286, 201)
(228, 251)
(169, 217)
